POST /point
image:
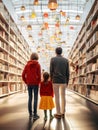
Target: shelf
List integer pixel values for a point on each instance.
(92, 58)
(91, 100)
(3, 19)
(92, 46)
(14, 53)
(94, 71)
(92, 32)
(87, 47)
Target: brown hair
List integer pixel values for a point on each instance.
(34, 56)
(45, 76)
(58, 50)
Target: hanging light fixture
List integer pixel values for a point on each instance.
(22, 8)
(52, 4)
(30, 37)
(22, 18)
(45, 15)
(33, 14)
(29, 27)
(67, 20)
(36, 2)
(77, 16)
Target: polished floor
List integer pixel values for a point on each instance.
(80, 114)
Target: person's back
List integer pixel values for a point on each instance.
(59, 73)
(31, 75)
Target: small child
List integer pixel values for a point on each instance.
(46, 93)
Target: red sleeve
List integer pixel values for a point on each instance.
(24, 74)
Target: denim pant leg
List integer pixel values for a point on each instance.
(35, 99)
(30, 99)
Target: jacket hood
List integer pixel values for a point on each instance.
(32, 62)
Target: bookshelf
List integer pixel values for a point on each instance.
(14, 53)
(84, 56)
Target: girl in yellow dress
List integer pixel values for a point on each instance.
(46, 94)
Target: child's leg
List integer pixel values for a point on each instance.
(51, 116)
(45, 113)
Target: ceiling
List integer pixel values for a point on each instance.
(52, 30)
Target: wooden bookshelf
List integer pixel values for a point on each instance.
(14, 53)
(84, 78)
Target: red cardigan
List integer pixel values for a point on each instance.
(31, 74)
(46, 89)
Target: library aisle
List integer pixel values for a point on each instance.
(81, 114)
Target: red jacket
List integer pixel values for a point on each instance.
(46, 89)
(31, 74)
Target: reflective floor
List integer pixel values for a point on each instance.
(80, 114)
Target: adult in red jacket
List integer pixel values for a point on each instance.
(31, 75)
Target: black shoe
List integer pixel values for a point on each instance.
(35, 117)
(30, 116)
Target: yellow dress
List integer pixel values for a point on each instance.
(46, 102)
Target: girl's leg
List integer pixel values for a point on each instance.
(45, 113)
(51, 116)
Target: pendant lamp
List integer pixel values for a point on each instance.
(23, 8)
(52, 4)
(22, 18)
(36, 2)
(29, 27)
(77, 17)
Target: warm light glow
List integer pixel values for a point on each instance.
(52, 4)
(36, 2)
(29, 27)
(22, 18)
(33, 14)
(67, 20)
(45, 15)
(30, 37)
(77, 17)
(23, 8)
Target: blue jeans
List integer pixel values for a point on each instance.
(32, 89)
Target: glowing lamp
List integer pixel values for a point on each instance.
(45, 15)
(77, 17)
(23, 8)
(52, 4)
(36, 2)
(29, 27)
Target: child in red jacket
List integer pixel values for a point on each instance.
(31, 75)
(46, 93)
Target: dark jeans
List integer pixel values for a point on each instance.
(32, 89)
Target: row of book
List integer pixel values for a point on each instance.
(92, 40)
(92, 53)
(92, 66)
(3, 25)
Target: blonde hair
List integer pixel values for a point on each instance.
(34, 56)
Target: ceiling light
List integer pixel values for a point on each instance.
(52, 4)
(29, 27)
(45, 15)
(67, 20)
(22, 18)
(77, 17)
(23, 8)
(36, 2)
(33, 14)
(30, 37)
